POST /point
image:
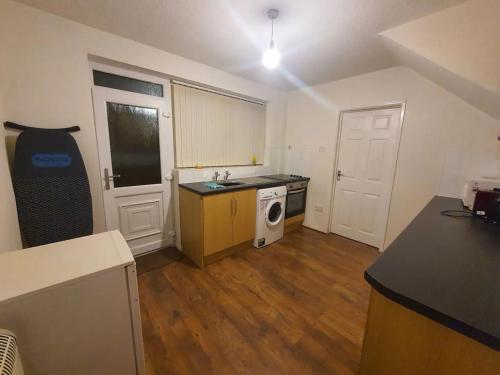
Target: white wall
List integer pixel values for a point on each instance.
(444, 140)
(9, 227)
(45, 72)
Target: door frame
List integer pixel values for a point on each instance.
(167, 170)
(402, 105)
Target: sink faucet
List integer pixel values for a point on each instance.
(215, 176)
(226, 175)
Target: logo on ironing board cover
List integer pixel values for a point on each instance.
(51, 160)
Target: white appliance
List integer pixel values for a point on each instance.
(472, 186)
(270, 218)
(74, 307)
(10, 362)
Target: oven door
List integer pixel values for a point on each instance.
(295, 202)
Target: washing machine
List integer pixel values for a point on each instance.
(270, 220)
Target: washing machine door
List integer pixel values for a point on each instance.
(274, 212)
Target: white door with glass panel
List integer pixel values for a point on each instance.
(135, 143)
(368, 147)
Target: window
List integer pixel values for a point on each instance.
(135, 144)
(213, 129)
(114, 81)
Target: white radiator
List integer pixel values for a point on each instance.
(10, 362)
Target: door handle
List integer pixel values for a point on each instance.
(296, 191)
(339, 174)
(108, 177)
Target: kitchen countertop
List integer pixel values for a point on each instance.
(447, 269)
(260, 182)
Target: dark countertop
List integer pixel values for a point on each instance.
(447, 269)
(248, 183)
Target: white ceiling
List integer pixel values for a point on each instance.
(321, 40)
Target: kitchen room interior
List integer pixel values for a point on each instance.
(236, 187)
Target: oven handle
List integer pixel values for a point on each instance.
(296, 191)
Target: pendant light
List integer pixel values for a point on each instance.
(271, 57)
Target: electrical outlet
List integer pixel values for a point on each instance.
(322, 148)
(319, 208)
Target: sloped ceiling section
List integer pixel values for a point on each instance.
(458, 48)
(471, 92)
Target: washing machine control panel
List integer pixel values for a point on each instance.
(275, 192)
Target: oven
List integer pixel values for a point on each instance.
(295, 198)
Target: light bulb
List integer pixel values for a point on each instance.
(271, 58)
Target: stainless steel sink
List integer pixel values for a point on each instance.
(229, 183)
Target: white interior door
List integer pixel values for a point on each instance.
(368, 147)
(135, 143)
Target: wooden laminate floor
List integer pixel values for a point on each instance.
(295, 307)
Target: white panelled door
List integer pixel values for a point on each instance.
(136, 156)
(368, 147)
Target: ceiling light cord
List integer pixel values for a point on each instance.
(271, 57)
(271, 42)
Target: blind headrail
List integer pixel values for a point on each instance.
(218, 92)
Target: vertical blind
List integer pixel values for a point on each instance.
(213, 129)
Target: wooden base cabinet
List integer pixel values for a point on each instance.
(400, 341)
(214, 226)
(217, 213)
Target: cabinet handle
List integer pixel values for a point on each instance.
(235, 207)
(232, 209)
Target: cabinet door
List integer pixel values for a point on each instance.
(217, 222)
(244, 215)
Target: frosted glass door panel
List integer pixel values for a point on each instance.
(135, 144)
